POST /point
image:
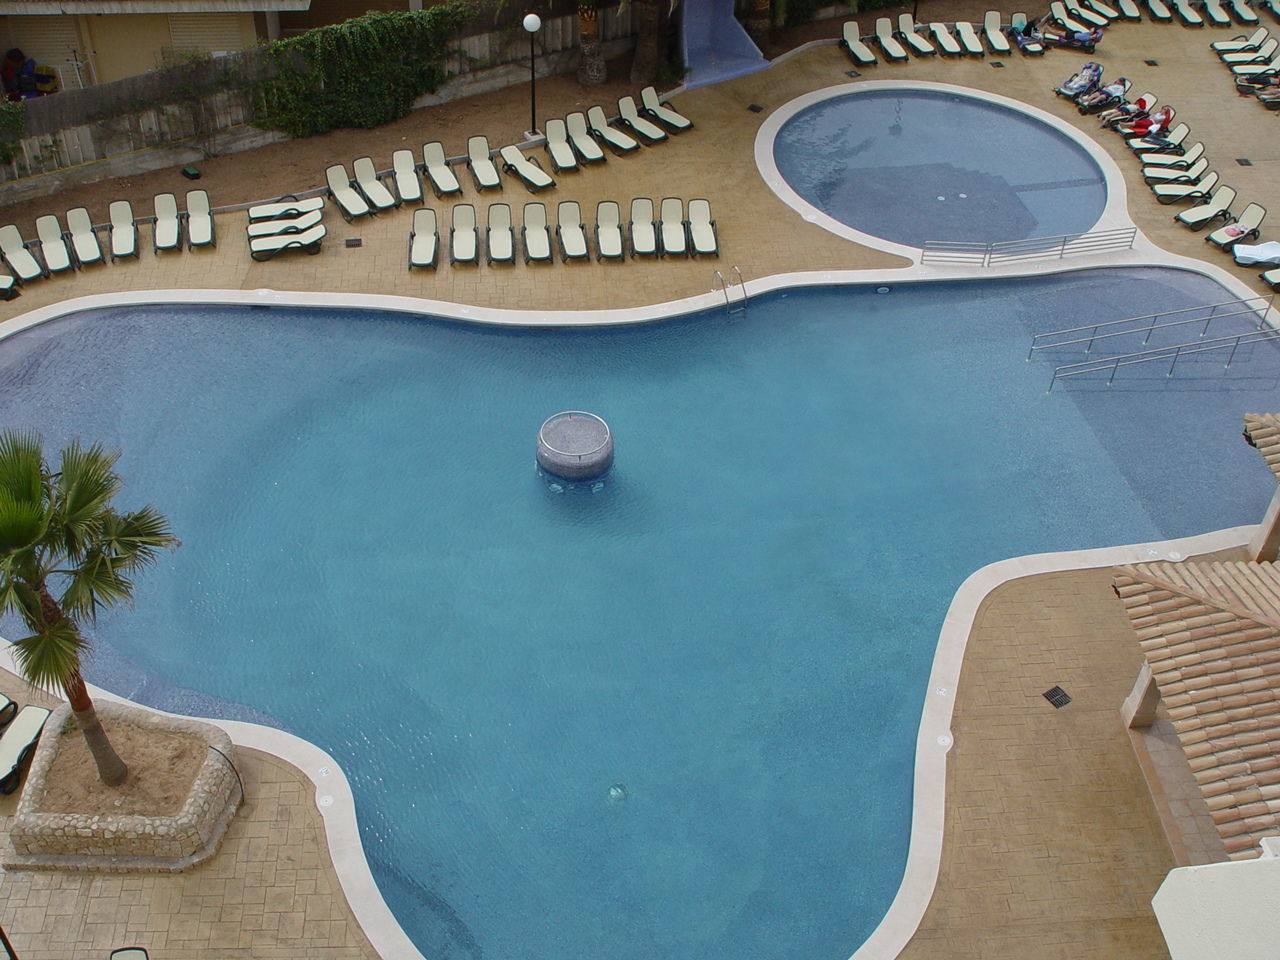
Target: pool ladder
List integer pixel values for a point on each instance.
(731, 306)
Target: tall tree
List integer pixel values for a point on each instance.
(592, 70)
(66, 553)
(648, 56)
(760, 24)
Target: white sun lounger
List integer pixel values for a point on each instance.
(1243, 228)
(124, 229)
(994, 34)
(1172, 160)
(200, 230)
(350, 203)
(946, 42)
(267, 228)
(1083, 14)
(907, 31)
(1215, 14)
(851, 40)
(53, 248)
(1252, 254)
(1272, 5)
(367, 181)
(8, 287)
(437, 169)
(1129, 9)
(888, 42)
(1242, 12)
(166, 231)
(664, 113)
(19, 259)
(1241, 43)
(1159, 12)
(629, 114)
(424, 240)
(1187, 13)
(671, 228)
(1099, 7)
(580, 139)
(84, 242)
(644, 232)
(1217, 207)
(616, 140)
(608, 231)
(570, 231)
(500, 239)
(702, 229)
(264, 248)
(558, 147)
(535, 236)
(1058, 14)
(17, 743)
(1173, 175)
(1018, 22)
(531, 175)
(1173, 141)
(287, 206)
(1262, 55)
(463, 240)
(480, 160)
(969, 38)
(404, 173)
(1182, 192)
(1257, 69)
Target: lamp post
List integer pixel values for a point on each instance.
(532, 23)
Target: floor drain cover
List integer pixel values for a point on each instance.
(1057, 696)
(853, 73)
(353, 241)
(997, 64)
(754, 107)
(1152, 63)
(1244, 162)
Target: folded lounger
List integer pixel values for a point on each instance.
(535, 237)
(200, 232)
(993, 33)
(1217, 207)
(946, 42)
(404, 173)
(531, 175)
(1241, 43)
(267, 228)
(1168, 144)
(367, 181)
(53, 248)
(287, 206)
(608, 231)
(580, 139)
(1262, 55)
(1027, 40)
(1182, 192)
(1151, 175)
(851, 40)
(124, 229)
(480, 160)
(671, 228)
(17, 743)
(969, 38)
(1187, 13)
(616, 140)
(1173, 160)
(1058, 14)
(1083, 14)
(1159, 12)
(570, 231)
(84, 242)
(264, 248)
(558, 147)
(463, 240)
(351, 204)
(1243, 228)
(907, 31)
(661, 111)
(644, 232)
(437, 169)
(702, 229)
(499, 238)
(16, 255)
(888, 42)
(1215, 14)
(1242, 12)
(424, 240)
(647, 130)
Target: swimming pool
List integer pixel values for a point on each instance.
(912, 165)
(674, 717)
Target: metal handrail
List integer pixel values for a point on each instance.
(724, 288)
(1172, 353)
(1006, 251)
(571, 414)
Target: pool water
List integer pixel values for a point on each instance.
(674, 717)
(916, 165)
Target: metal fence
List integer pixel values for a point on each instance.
(1035, 248)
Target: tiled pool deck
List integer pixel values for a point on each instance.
(1052, 847)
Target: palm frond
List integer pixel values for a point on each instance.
(96, 582)
(134, 540)
(84, 487)
(23, 522)
(47, 658)
(22, 470)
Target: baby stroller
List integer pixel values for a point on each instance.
(1104, 97)
(1083, 81)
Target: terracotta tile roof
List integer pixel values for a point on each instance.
(1210, 633)
(1262, 430)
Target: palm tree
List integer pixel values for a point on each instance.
(649, 23)
(592, 71)
(59, 533)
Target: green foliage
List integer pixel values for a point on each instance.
(13, 123)
(361, 73)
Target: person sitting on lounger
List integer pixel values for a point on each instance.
(1111, 91)
(1122, 111)
(1085, 40)
(1147, 126)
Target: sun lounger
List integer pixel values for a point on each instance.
(616, 140)
(1159, 12)
(558, 147)
(351, 204)
(424, 239)
(8, 287)
(480, 159)
(53, 248)
(374, 190)
(993, 33)
(200, 231)
(1187, 13)
(652, 106)
(1173, 160)
(1241, 43)
(570, 231)
(17, 744)
(287, 206)
(1272, 277)
(1168, 144)
(1262, 55)
(463, 241)
(629, 114)
(8, 709)
(437, 169)
(1217, 207)
(608, 231)
(1129, 9)
(535, 237)
(888, 42)
(166, 231)
(1214, 13)
(1255, 254)
(1268, 69)
(16, 255)
(84, 242)
(907, 32)
(531, 175)
(404, 172)
(1182, 192)
(702, 229)
(644, 232)
(1026, 39)
(129, 953)
(1272, 5)
(264, 248)
(944, 39)
(267, 228)
(124, 229)
(1102, 8)
(1172, 175)
(1243, 228)
(1242, 12)
(671, 228)
(580, 139)
(1058, 14)
(1082, 14)
(851, 40)
(499, 238)
(969, 38)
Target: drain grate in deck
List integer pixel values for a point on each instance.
(996, 63)
(1058, 697)
(1152, 63)
(1244, 161)
(754, 107)
(853, 73)
(353, 242)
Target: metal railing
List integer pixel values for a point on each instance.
(1254, 307)
(1171, 353)
(718, 282)
(1034, 248)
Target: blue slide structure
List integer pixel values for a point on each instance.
(714, 44)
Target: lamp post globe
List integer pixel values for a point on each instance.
(532, 23)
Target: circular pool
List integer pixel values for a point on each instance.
(911, 165)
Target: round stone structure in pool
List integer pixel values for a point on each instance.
(911, 166)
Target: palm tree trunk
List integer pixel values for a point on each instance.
(760, 24)
(644, 68)
(592, 71)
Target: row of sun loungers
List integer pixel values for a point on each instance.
(22, 729)
(285, 224)
(925, 39)
(669, 234)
